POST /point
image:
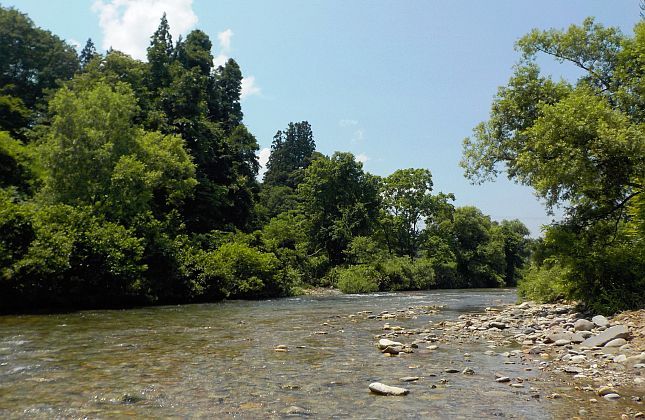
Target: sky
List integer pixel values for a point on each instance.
(398, 83)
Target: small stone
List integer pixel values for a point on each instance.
(295, 411)
(468, 371)
(432, 347)
(496, 324)
(409, 379)
(583, 325)
(602, 391)
(572, 369)
(562, 342)
(621, 358)
(600, 321)
(382, 389)
(617, 342)
(611, 396)
(639, 415)
(503, 379)
(451, 370)
(517, 385)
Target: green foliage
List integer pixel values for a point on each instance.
(546, 283)
(339, 201)
(95, 156)
(72, 258)
(237, 270)
(18, 166)
(358, 279)
(580, 146)
(407, 202)
(33, 59)
(291, 152)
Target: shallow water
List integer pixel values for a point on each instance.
(217, 360)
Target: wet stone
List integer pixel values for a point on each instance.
(382, 389)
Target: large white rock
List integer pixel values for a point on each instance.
(384, 343)
(600, 321)
(617, 331)
(382, 389)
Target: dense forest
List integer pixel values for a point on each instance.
(125, 182)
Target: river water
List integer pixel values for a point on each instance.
(218, 361)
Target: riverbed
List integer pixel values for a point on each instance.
(219, 361)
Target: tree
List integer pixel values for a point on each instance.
(224, 98)
(33, 60)
(479, 249)
(94, 156)
(339, 201)
(88, 53)
(407, 203)
(581, 146)
(291, 153)
(160, 55)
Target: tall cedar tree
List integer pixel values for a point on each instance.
(291, 153)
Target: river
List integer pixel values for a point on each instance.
(218, 361)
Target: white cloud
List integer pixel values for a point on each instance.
(249, 88)
(263, 158)
(127, 25)
(225, 48)
(362, 158)
(347, 123)
(225, 39)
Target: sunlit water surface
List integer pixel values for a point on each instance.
(218, 360)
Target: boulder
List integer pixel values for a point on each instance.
(583, 325)
(617, 342)
(617, 331)
(382, 389)
(600, 321)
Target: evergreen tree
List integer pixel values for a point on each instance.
(291, 153)
(160, 54)
(88, 53)
(224, 103)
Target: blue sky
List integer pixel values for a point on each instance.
(398, 83)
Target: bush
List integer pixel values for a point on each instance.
(403, 273)
(358, 279)
(237, 270)
(547, 283)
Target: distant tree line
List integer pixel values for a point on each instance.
(125, 182)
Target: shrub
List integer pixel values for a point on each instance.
(547, 283)
(358, 279)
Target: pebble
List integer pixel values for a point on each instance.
(451, 370)
(620, 358)
(611, 396)
(468, 371)
(409, 379)
(562, 342)
(382, 389)
(517, 385)
(503, 379)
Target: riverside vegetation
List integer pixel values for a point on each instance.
(125, 182)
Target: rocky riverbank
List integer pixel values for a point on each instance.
(600, 358)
